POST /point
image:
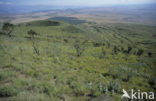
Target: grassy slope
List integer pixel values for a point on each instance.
(58, 73)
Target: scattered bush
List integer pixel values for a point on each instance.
(103, 53)
(115, 50)
(7, 28)
(108, 44)
(32, 33)
(79, 48)
(36, 50)
(4, 75)
(72, 29)
(129, 49)
(105, 90)
(7, 91)
(2, 33)
(113, 86)
(128, 76)
(32, 96)
(98, 44)
(140, 52)
(42, 87)
(32, 36)
(43, 23)
(152, 81)
(149, 54)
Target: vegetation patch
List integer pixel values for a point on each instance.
(40, 61)
(42, 23)
(71, 20)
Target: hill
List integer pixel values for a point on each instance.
(49, 60)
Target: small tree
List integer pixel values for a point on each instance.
(7, 28)
(32, 33)
(79, 48)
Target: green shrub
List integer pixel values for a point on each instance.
(115, 50)
(72, 29)
(105, 89)
(78, 88)
(32, 96)
(128, 76)
(114, 86)
(2, 33)
(43, 23)
(103, 53)
(150, 54)
(79, 48)
(95, 92)
(140, 52)
(32, 33)
(152, 81)
(8, 28)
(129, 49)
(42, 87)
(108, 45)
(79, 91)
(7, 91)
(5, 74)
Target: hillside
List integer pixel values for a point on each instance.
(50, 60)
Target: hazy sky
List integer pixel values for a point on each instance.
(74, 2)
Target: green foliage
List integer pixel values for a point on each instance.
(128, 76)
(114, 86)
(72, 29)
(115, 50)
(79, 48)
(152, 81)
(31, 96)
(79, 90)
(7, 28)
(36, 50)
(32, 33)
(128, 50)
(103, 53)
(71, 20)
(4, 75)
(140, 52)
(7, 91)
(43, 23)
(46, 69)
(2, 33)
(42, 88)
(32, 36)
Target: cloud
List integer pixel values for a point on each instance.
(5, 3)
(1, 2)
(73, 2)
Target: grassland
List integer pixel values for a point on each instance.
(57, 61)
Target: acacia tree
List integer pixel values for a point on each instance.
(7, 28)
(32, 35)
